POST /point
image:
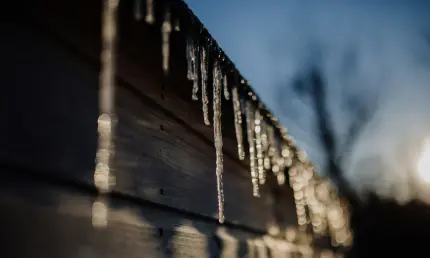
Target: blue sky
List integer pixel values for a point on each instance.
(375, 52)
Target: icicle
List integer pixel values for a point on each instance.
(138, 9)
(205, 98)
(259, 147)
(149, 18)
(190, 58)
(226, 92)
(192, 53)
(250, 132)
(166, 29)
(102, 177)
(238, 123)
(265, 144)
(218, 137)
(272, 149)
(177, 25)
(287, 155)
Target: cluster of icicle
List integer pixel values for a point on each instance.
(267, 152)
(316, 203)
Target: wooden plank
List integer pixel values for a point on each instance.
(46, 220)
(50, 123)
(139, 58)
(139, 63)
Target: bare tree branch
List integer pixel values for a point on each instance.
(313, 87)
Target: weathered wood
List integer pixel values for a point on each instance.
(139, 58)
(49, 123)
(164, 152)
(46, 220)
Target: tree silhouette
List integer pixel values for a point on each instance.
(313, 87)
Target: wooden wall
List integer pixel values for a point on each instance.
(164, 203)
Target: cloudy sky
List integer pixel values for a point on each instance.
(372, 54)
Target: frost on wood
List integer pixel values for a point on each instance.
(166, 29)
(218, 137)
(205, 98)
(102, 176)
(238, 123)
(250, 125)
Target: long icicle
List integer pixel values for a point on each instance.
(218, 137)
(166, 29)
(272, 148)
(238, 123)
(259, 147)
(190, 58)
(103, 180)
(205, 98)
(250, 132)
(192, 54)
(149, 17)
(265, 144)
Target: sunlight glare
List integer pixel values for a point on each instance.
(423, 165)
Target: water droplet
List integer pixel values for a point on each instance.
(281, 178)
(218, 138)
(238, 123)
(285, 151)
(205, 98)
(226, 92)
(101, 177)
(149, 18)
(250, 132)
(100, 214)
(166, 29)
(104, 123)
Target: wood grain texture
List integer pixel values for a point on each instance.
(164, 154)
(139, 58)
(50, 124)
(46, 220)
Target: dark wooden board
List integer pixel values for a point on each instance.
(49, 112)
(139, 58)
(47, 219)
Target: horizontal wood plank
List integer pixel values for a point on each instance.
(50, 118)
(139, 60)
(50, 220)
